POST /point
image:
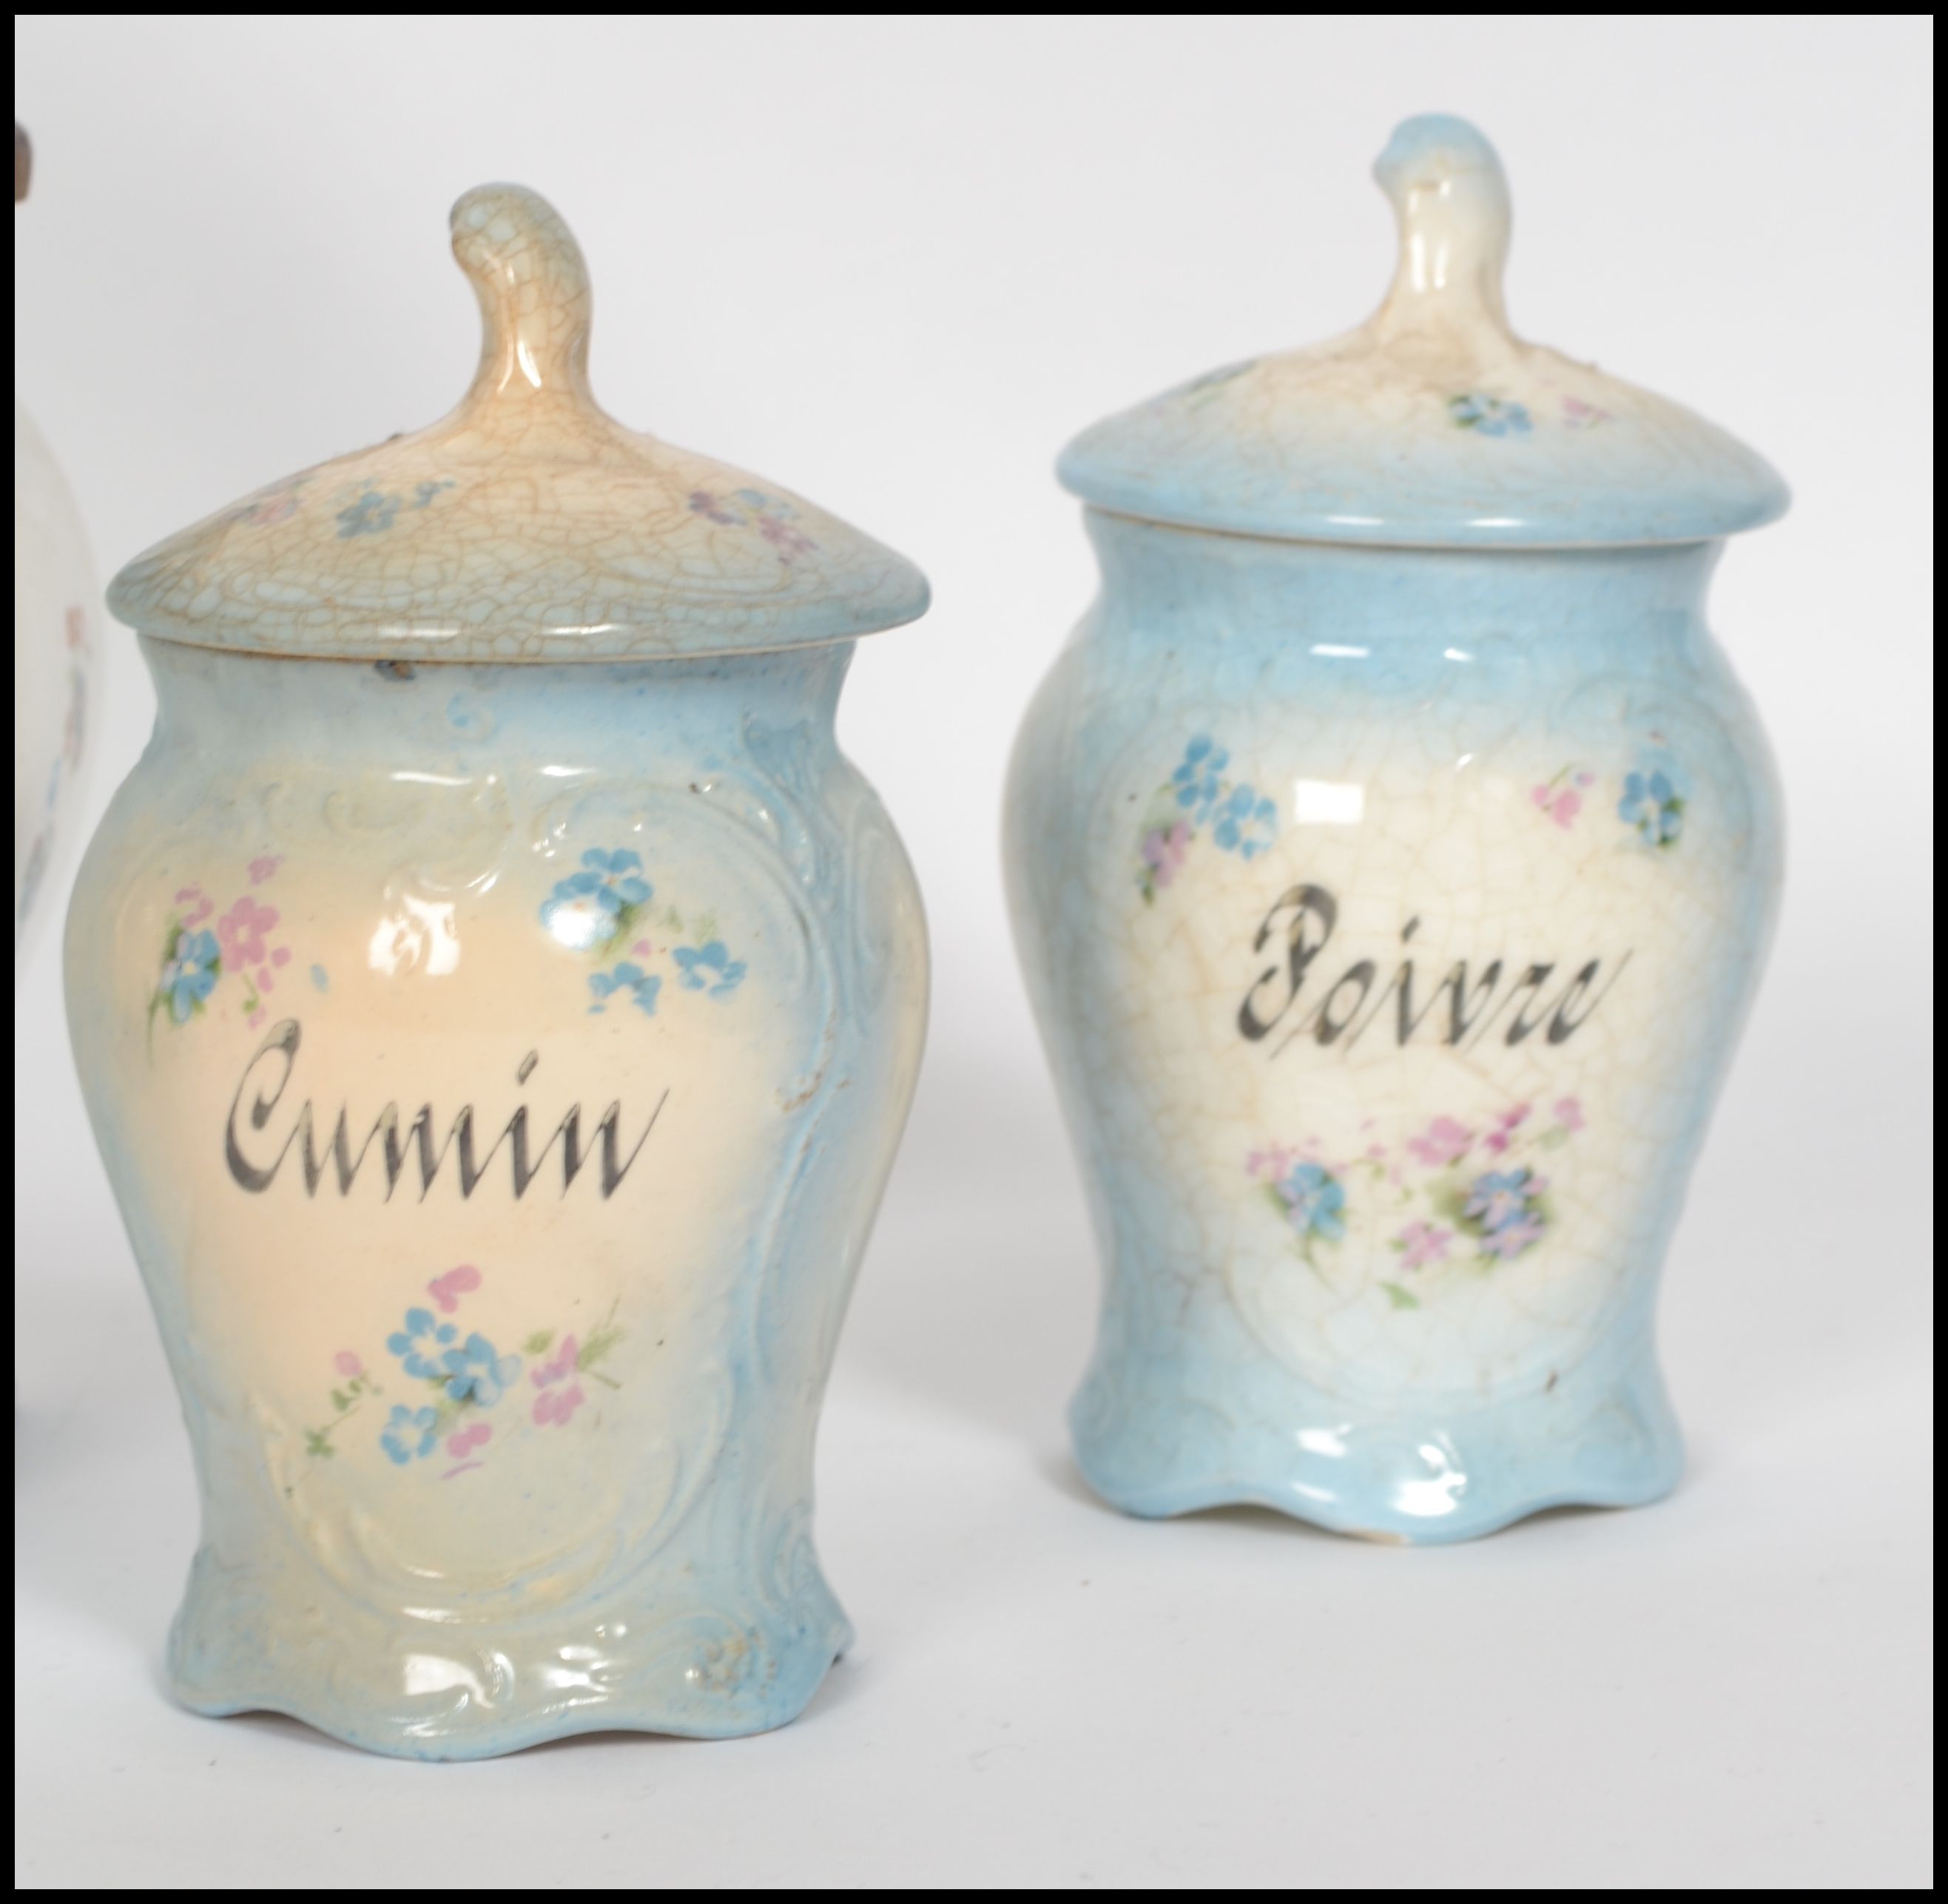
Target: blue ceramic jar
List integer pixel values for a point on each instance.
(1392, 854)
(497, 1002)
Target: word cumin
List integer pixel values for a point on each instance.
(255, 1162)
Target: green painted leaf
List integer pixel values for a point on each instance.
(340, 1401)
(1400, 1298)
(538, 1343)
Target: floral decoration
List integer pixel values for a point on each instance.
(1488, 416)
(1199, 798)
(1560, 798)
(373, 511)
(601, 908)
(1453, 1196)
(202, 948)
(1653, 804)
(454, 1381)
(1577, 414)
(1309, 1197)
(770, 516)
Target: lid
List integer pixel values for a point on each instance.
(1432, 424)
(526, 525)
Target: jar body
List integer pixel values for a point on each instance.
(498, 1068)
(54, 670)
(1390, 918)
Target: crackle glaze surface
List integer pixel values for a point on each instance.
(526, 524)
(1390, 916)
(1432, 423)
(499, 1065)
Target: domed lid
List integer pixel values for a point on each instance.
(526, 525)
(1433, 424)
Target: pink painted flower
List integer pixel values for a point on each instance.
(1442, 1142)
(447, 1290)
(1578, 415)
(241, 932)
(1423, 1242)
(787, 541)
(1506, 1126)
(1569, 1114)
(1164, 850)
(553, 1407)
(1512, 1239)
(199, 911)
(264, 866)
(347, 1364)
(642, 949)
(1271, 1163)
(559, 1366)
(462, 1443)
(256, 1017)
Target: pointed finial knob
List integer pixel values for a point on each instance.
(1451, 198)
(528, 272)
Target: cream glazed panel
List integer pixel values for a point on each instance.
(494, 1243)
(1379, 1028)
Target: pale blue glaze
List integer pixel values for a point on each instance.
(1389, 673)
(687, 1597)
(1433, 424)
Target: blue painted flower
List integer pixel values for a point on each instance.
(1489, 416)
(421, 1345)
(595, 905)
(367, 516)
(1505, 1211)
(1652, 804)
(1315, 1202)
(628, 977)
(710, 965)
(189, 974)
(476, 1373)
(408, 1432)
(1499, 1198)
(1196, 777)
(1246, 823)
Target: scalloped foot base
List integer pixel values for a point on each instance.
(649, 1660)
(1607, 1440)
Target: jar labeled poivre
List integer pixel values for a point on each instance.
(498, 1002)
(1392, 854)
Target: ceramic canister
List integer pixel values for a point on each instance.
(53, 655)
(1391, 854)
(497, 1002)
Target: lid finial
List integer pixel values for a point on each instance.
(1452, 199)
(528, 272)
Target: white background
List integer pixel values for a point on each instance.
(894, 265)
